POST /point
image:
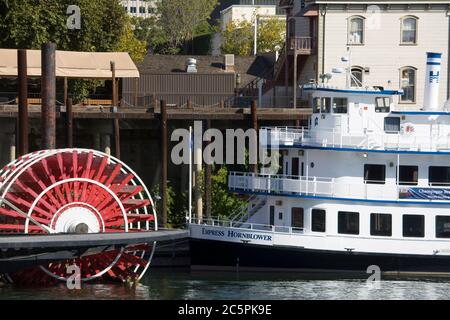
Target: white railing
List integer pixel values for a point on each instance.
(335, 138)
(217, 222)
(316, 187)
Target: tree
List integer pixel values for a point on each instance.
(271, 33)
(129, 43)
(104, 27)
(181, 18)
(238, 37)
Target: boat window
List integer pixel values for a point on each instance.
(326, 105)
(348, 222)
(408, 175)
(413, 225)
(408, 84)
(439, 176)
(442, 226)
(374, 173)
(297, 217)
(316, 105)
(280, 215)
(318, 217)
(392, 124)
(382, 104)
(340, 105)
(381, 224)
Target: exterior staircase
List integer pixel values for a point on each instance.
(249, 211)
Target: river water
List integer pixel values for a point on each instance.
(184, 284)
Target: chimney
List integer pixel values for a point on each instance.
(432, 77)
(191, 65)
(228, 62)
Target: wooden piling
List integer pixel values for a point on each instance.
(116, 123)
(23, 101)
(48, 94)
(164, 162)
(208, 181)
(69, 123)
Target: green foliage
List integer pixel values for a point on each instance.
(129, 43)
(224, 203)
(150, 31)
(176, 206)
(181, 20)
(238, 37)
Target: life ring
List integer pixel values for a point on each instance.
(408, 129)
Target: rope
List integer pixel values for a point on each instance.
(8, 102)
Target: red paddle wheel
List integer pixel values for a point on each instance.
(77, 191)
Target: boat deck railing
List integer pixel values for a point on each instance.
(369, 140)
(224, 222)
(244, 182)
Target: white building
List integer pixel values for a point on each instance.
(239, 13)
(388, 41)
(140, 8)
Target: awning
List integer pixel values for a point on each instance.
(72, 64)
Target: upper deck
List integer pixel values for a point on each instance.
(364, 120)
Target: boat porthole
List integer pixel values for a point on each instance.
(312, 164)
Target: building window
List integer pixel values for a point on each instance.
(318, 218)
(408, 175)
(141, 9)
(132, 9)
(408, 85)
(439, 176)
(125, 8)
(381, 224)
(413, 225)
(392, 124)
(356, 30)
(442, 226)
(374, 173)
(409, 30)
(340, 105)
(357, 77)
(348, 222)
(297, 217)
(382, 104)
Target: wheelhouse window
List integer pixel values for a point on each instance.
(348, 222)
(382, 104)
(442, 226)
(408, 175)
(392, 124)
(374, 173)
(340, 105)
(297, 218)
(381, 224)
(317, 105)
(409, 30)
(408, 85)
(318, 218)
(322, 105)
(439, 176)
(356, 30)
(413, 225)
(356, 80)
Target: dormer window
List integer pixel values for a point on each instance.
(356, 30)
(409, 30)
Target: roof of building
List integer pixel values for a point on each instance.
(248, 67)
